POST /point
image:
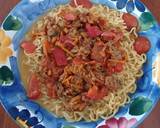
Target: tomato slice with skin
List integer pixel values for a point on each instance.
(84, 3)
(93, 31)
(130, 21)
(28, 47)
(60, 57)
(34, 87)
(142, 45)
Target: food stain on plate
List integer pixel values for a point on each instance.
(156, 71)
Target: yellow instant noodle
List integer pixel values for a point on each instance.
(109, 105)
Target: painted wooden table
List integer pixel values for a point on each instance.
(153, 121)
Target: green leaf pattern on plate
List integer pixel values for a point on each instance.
(69, 127)
(139, 106)
(6, 75)
(12, 23)
(146, 21)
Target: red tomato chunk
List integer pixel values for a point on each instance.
(60, 57)
(142, 45)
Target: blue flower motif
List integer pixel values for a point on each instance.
(130, 5)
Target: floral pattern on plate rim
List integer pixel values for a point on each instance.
(29, 114)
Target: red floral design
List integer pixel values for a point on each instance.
(122, 122)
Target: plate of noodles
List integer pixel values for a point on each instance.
(79, 63)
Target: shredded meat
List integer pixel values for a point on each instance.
(98, 52)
